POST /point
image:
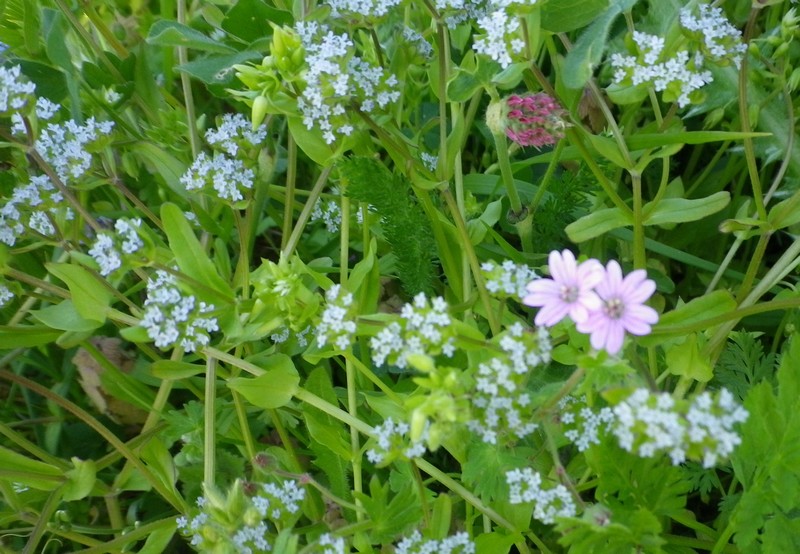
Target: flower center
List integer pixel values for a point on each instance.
(614, 308)
(569, 294)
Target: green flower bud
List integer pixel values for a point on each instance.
(259, 111)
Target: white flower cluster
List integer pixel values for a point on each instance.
(45, 109)
(337, 327)
(108, 249)
(393, 443)
(329, 213)
(369, 9)
(525, 485)
(273, 503)
(583, 426)
(282, 335)
(64, 146)
(430, 161)
(235, 132)
(172, 318)
(720, 40)
(34, 205)
(228, 177)
(500, 38)
(683, 73)
(5, 295)
(499, 399)
(15, 92)
(507, 280)
(416, 40)
(333, 545)
(278, 503)
(423, 328)
(335, 79)
(678, 74)
(460, 543)
(648, 424)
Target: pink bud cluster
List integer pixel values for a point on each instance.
(535, 120)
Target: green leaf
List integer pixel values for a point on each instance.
(477, 228)
(89, 296)
(609, 149)
(158, 459)
(162, 163)
(684, 359)
(311, 142)
(597, 223)
(170, 369)
(217, 70)
(172, 33)
(700, 309)
(80, 479)
(158, 539)
(191, 258)
(273, 389)
(64, 316)
(495, 543)
(32, 473)
(249, 19)
(645, 141)
(681, 210)
(567, 15)
(26, 336)
(589, 49)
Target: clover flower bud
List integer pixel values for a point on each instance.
(529, 120)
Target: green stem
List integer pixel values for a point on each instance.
(291, 178)
(242, 276)
(305, 215)
(136, 534)
(752, 267)
(369, 374)
(442, 43)
(244, 426)
(286, 440)
(186, 85)
(209, 418)
(608, 187)
(49, 508)
(501, 145)
(546, 179)
(639, 253)
(169, 495)
(466, 244)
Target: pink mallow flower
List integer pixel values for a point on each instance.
(569, 292)
(622, 308)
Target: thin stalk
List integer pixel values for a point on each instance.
(501, 145)
(291, 178)
(369, 374)
(186, 85)
(639, 254)
(426, 513)
(744, 116)
(442, 43)
(114, 511)
(136, 534)
(244, 426)
(458, 181)
(305, 215)
(377, 44)
(755, 263)
(100, 25)
(286, 440)
(49, 508)
(473, 261)
(546, 178)
(209, 419)
(608, 187)
(32, 448)
(169, 495)
(243, 226)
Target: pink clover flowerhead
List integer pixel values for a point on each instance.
(568, 293)
(622, 309)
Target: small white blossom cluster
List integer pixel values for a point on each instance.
(648, 424)
(329, 212)
(416, 40)
(15, 91)
(460, 543)
(109, 249)
(45, 109)
(337, 326)
(335, 79)
(430, 161)
(228, 177)
(34, 205)
(499, 400)
(65, 146)
(721, 41)
(5, 294)
(173, 318)
(282, 335)
(583, 426)
(680, 75)
(331, 544)
(279, 503)
(392, 443)
(525, 485)
(235, 132)
(423, 328)
(507, 280)
(369, 9)
(500, 38)
(250, 535)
